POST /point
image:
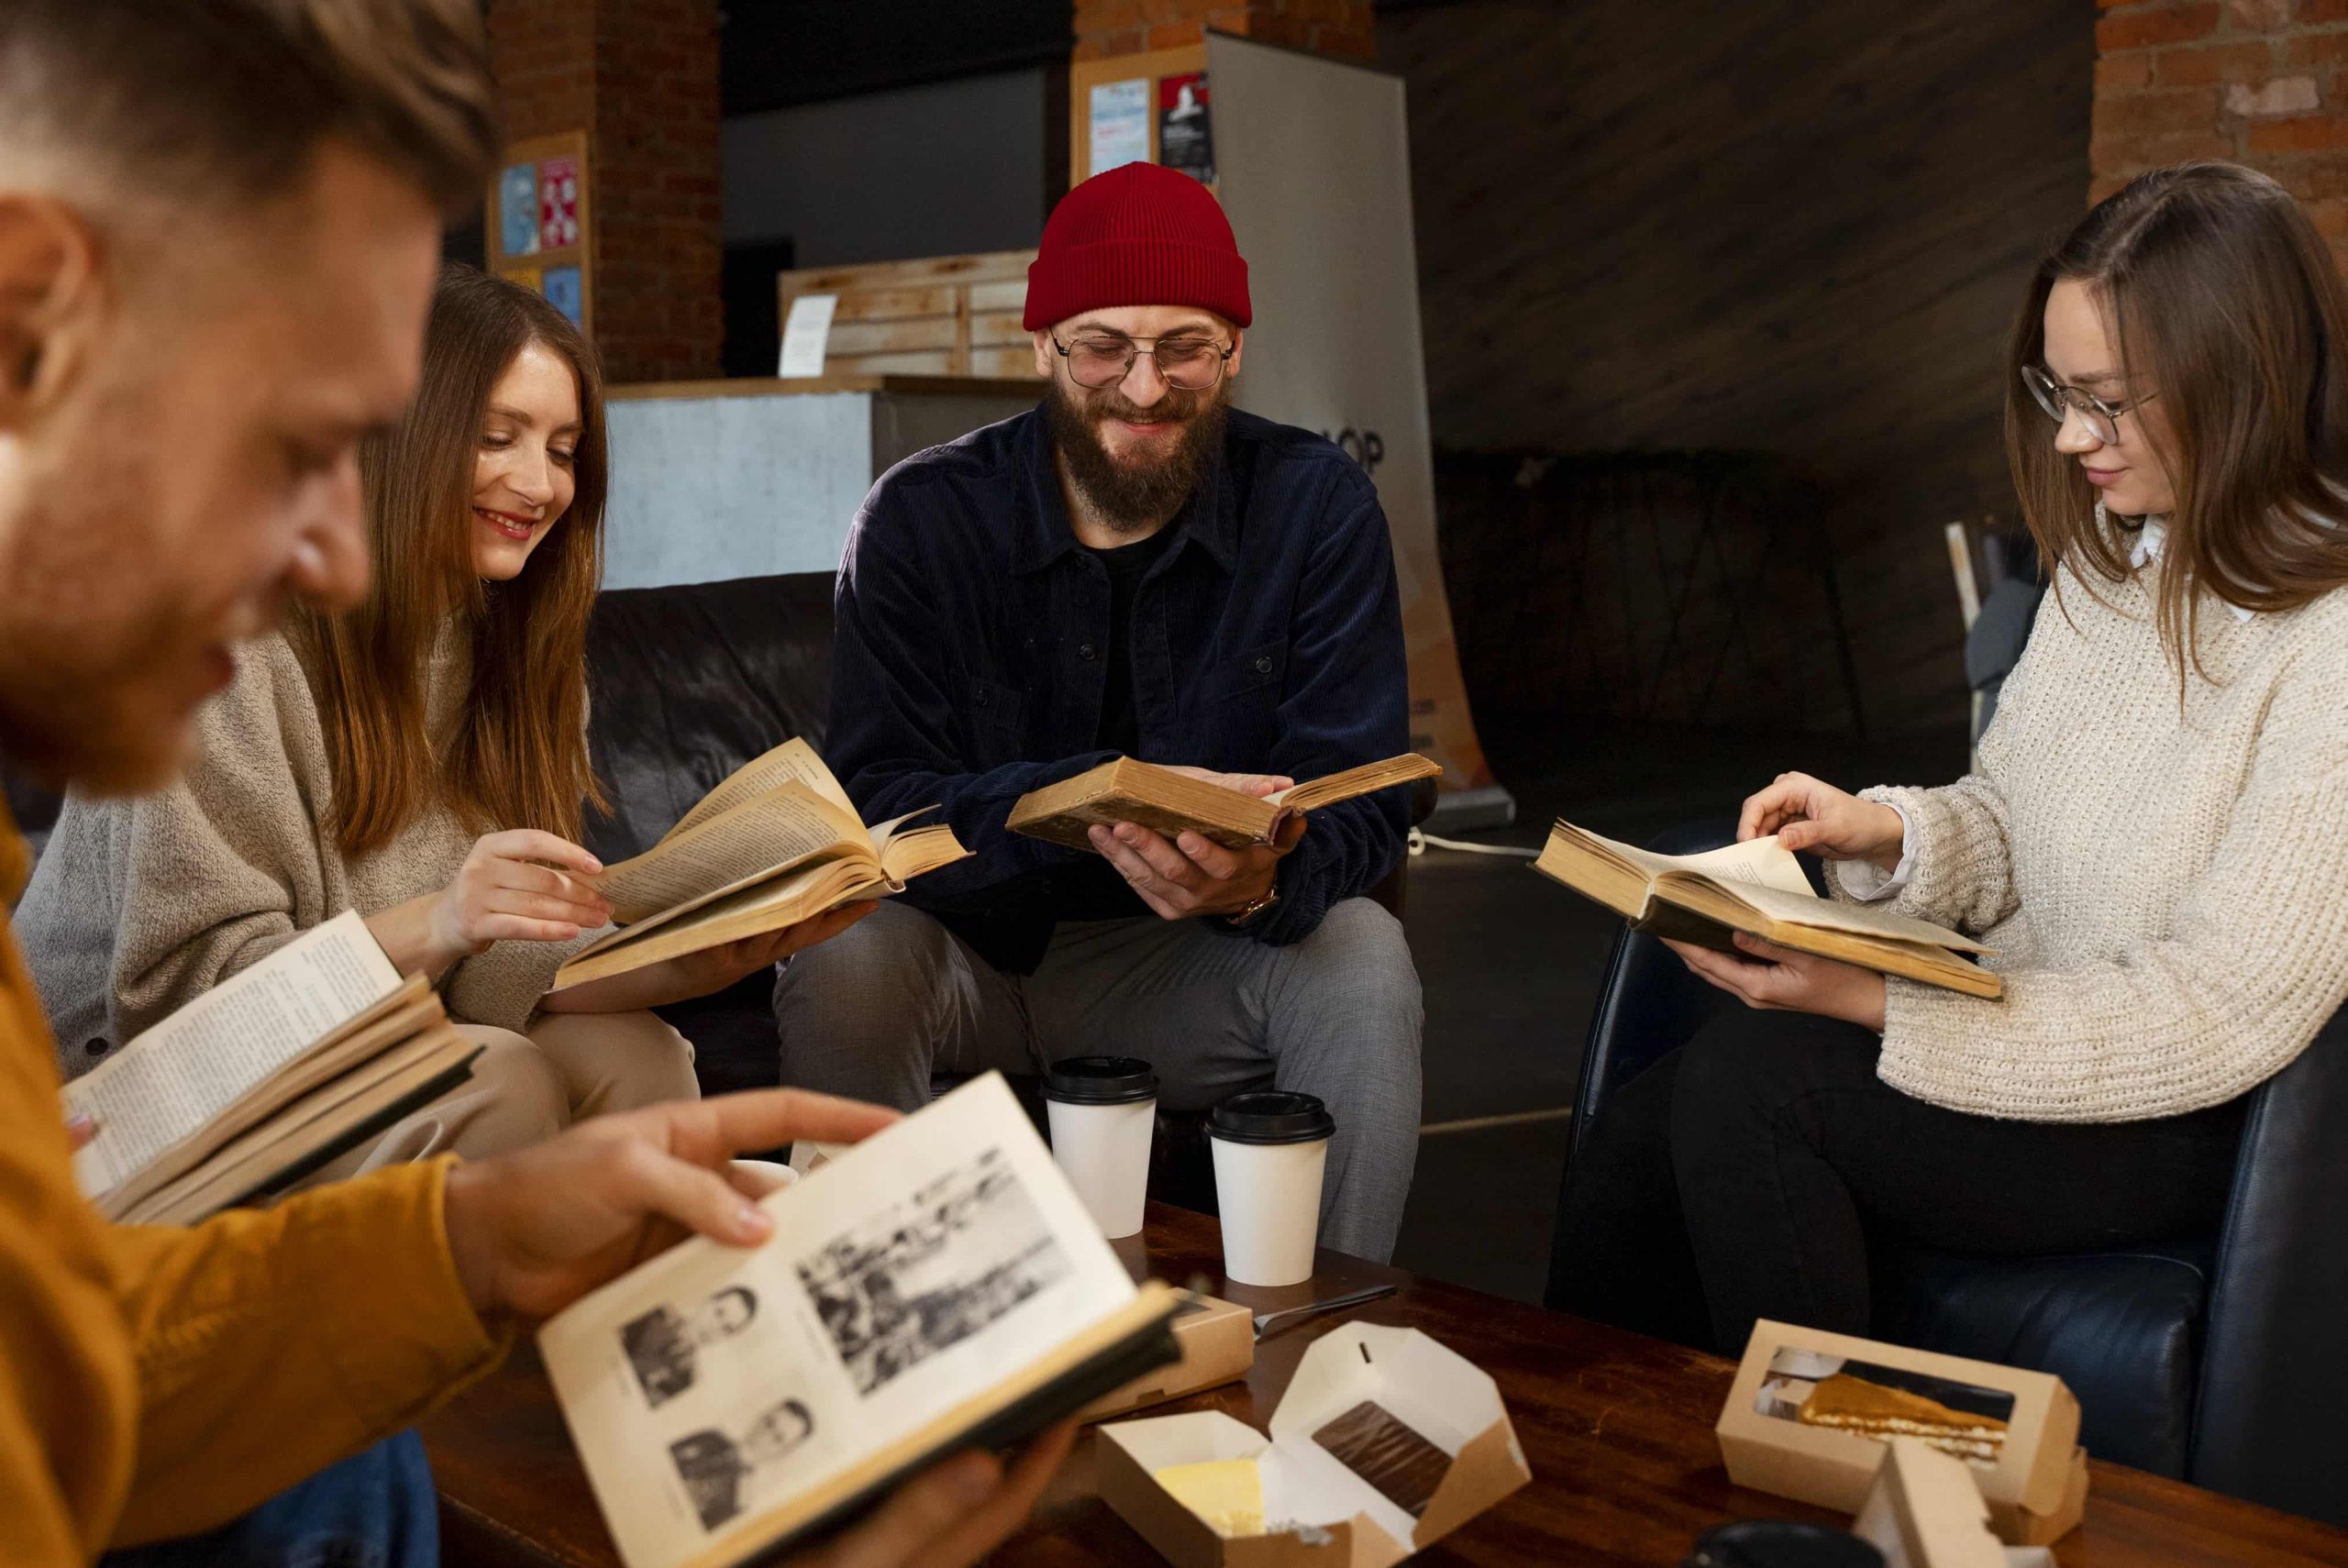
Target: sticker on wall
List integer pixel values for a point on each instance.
(517, 210)
(1185, 136)
(558, 203)
(561, 290)
(1119, 124)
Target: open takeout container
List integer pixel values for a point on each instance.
(1318, 1510)
(2017, 1432)
(1926, 1511)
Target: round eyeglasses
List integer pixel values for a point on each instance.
(1102, 360)
(2060, 402)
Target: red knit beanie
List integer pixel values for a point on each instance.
(1139, 235)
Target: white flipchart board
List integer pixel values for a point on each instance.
(1313, 167)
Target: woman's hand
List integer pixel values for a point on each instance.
(501, 893)
(519, 886)
(691, 975)
(1807, 815)
(1778, 978)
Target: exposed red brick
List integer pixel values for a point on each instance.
(2124, 72)
(2260, 16)
(2308, 133)
(2156, 113)
(2201, 66)
(2149, 27)
(2322, 13)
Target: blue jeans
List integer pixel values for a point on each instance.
(375, 1510)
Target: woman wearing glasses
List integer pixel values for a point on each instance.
(2153, 842)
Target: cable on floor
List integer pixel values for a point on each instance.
(1421, 841)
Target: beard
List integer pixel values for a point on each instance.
(1132, 494)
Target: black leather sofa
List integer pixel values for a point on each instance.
(2222, 1360)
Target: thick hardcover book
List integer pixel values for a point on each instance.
(1125, 790)
(1758, 888)
(263, 1079)
(776, 843)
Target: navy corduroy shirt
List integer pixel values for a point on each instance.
(970, 651)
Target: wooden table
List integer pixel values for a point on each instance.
(1618, 1429)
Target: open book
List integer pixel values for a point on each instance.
(777, 843)
(1757, 887)
(263, 1079)
(1158, 798)
(938, 1286)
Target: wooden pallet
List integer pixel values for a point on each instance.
(942, 315)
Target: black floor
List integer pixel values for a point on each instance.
(1510, 962)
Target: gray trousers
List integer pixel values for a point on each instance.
(875, 1011)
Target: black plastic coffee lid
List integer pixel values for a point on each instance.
(1271, 1116)
(1780, 1544)
(1100, 1080)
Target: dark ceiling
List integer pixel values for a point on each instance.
(779, 52)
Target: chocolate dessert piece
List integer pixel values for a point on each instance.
(1404, 1467)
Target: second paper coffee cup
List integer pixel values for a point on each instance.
(1103, 1110)
(1270, 1150)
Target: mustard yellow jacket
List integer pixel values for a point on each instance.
(158, 1381)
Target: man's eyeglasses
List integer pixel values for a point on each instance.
(2058, 401)
(1102, 360)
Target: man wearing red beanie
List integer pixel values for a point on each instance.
(1135, 567)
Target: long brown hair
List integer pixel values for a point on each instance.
(515, 754)
(2221, 293)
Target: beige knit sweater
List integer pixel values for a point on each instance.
(2167, 885)
(137, 907)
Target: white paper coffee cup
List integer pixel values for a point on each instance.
(1103, 1111)
(1269, 1151)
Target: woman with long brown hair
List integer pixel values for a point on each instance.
(423, 760)
(2154, 840)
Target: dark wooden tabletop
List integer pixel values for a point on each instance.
(1618, 1429)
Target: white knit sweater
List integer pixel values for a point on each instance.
(2167, 883)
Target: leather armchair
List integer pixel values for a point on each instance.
(2220, 1360)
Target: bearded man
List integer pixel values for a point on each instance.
(1133, 569)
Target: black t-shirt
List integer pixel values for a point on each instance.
(1092, 889)
(1120, 728)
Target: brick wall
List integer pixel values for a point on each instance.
(641, 77)
(1340, 27)
(2260, 81)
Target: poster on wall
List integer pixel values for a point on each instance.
(1315, 164)
(558, 203)
(1119, 124)
(563, 291)
(517, 210)
(1185, 134)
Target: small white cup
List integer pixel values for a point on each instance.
(1103, 1112)
(1270, 1149)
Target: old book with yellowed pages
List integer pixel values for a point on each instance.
(1125, 790)
(937, 1286)
(778, 841)
(263, 1079)
(1758, 888)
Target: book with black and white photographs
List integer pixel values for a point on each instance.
(937, 1286)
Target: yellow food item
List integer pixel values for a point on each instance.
(1226, 1493)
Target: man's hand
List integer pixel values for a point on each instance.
(1781, 980)
(949, 1515)
(1191, 874)
(532, 1231)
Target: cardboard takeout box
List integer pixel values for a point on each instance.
(2018, 1432)
(1316, 1509)
(1218, 1343)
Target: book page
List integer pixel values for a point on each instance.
(1861, 920)
(908, 1275)
(793, 762)
(194, 1064)
(763, 835)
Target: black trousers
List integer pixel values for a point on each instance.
(1750, 1173)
